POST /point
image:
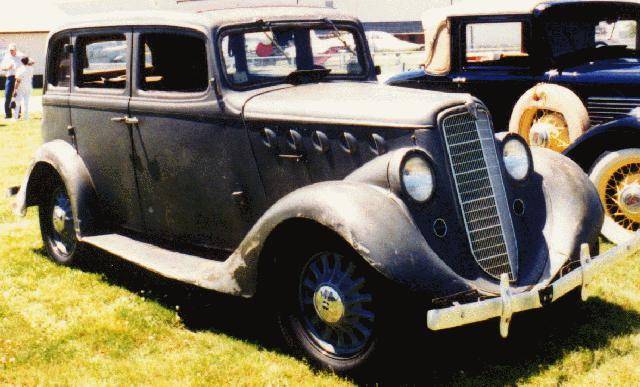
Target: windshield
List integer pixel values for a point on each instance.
(270, 54)
(568, 36)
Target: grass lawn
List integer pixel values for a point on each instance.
(110, 323)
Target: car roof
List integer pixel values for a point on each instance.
(505, 7)
(203, 19)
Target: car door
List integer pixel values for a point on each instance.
(99, 103)
(198, 180)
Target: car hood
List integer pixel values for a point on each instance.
(622, 71)
(352, 103)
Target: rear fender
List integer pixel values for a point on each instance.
(59, 160)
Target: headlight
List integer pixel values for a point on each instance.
(417, 177)
(516, 157)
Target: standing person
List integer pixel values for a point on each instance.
(10, 64)
(23, 88)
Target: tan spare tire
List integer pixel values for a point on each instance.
(616, 176)
(549, 116)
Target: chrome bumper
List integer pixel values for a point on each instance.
(507, 304)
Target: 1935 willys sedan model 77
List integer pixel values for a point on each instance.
(267, 162)
(549, 71)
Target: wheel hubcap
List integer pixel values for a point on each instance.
(62, 220)
(548, 130)
(336, 305)
(328, 304)
(620, 193)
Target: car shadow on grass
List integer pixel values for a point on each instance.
(472, 355)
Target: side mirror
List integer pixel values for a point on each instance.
(377, 69)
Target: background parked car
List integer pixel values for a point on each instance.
(548, 71)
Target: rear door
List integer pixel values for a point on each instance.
(99, 103)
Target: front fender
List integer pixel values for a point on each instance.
(574, 212)
(371, 220)
(60, 158)
(615, 135)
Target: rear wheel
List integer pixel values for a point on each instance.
(57, 227)
(616, 176)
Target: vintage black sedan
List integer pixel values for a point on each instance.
(267, 162)
(548, 70)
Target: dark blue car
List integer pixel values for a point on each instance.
(550, 71)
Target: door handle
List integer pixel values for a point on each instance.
(126, 120)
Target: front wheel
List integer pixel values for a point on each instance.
(57, 227)
(616, 176)
(331, 310)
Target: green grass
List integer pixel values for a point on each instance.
(110, 323)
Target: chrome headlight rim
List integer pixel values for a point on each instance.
(399, 174)
(516, 137)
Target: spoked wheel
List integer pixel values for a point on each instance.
(57, 227)
(548, 129)
(335, 305)
(331, 313)
(616, 175)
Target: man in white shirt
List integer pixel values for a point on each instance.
(10, 64)
(24, 86)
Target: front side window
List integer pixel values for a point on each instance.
(269, 55)
(173, 62)
(102, 62)
(592, 36)
(496, 44)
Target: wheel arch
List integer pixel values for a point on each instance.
(366, 218)
(612, 136)
(58, 161)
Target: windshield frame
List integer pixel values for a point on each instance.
(362, 48)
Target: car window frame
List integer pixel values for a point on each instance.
(101, 31)
(528, 43)
(364, 56)
(48, 87)
(137, 36)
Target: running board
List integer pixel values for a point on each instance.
(191, 269)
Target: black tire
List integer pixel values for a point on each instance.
(62, 247)
(294, 316)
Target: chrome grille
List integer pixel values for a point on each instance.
(605, 109)
(481, 193)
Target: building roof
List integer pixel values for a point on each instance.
(43, 20)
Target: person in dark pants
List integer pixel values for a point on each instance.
(10, 63)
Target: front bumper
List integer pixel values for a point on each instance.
(507, 304)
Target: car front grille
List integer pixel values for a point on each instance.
(605, 109)
(481, 193)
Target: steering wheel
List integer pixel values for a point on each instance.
(600, 43)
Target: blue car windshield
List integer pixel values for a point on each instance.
(268, 55)
(567, 36)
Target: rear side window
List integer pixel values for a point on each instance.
(173, 62)
(102, 62)
(59, 69)
(496, 44)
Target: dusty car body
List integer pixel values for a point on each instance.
(257, 172)
(550, 71)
